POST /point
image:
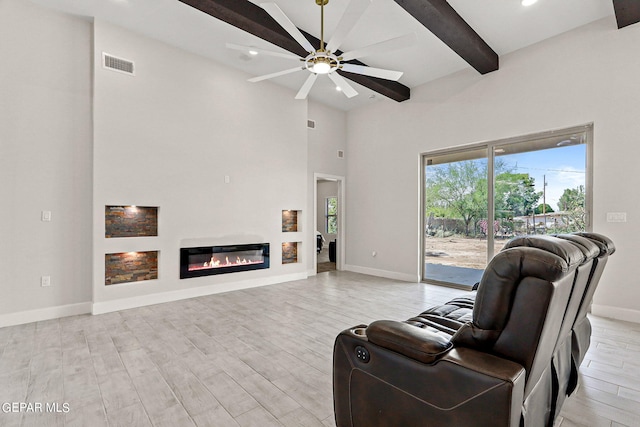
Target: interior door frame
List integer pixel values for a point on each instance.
(490, 146)
(340, 244)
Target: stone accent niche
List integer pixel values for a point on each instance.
(130, 267)
(290, 221)
(290, 252)
(130, 221)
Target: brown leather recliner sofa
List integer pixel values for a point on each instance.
(504, 355)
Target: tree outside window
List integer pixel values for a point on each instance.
(331, 209)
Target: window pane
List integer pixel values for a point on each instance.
(332, 206)
(456, 224)
(540, 186)
(332, 224)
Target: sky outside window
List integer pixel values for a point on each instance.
(564, 167)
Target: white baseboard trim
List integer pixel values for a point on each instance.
(626, 314)
(38, 315)
(162, 297)
(382, 273)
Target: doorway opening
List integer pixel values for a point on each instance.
(476, 198)
(328, 222)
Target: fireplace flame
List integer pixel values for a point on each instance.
(215, 262)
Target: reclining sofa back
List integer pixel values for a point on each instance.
(581, 331)
(450, 316)
(526, 338)
(564, 372)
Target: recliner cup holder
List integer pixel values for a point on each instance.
(361, 332)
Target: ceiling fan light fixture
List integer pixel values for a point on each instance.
(321, 68)
(321, 63)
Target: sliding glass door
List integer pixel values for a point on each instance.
(477, 198)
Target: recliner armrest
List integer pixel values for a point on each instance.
(463, 387)
(414, 342)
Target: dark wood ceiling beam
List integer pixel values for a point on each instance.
(254, 20)
(390, 89)
(248, 17)
(445, 23)
(627, 12)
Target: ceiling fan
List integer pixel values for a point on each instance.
(325, 60)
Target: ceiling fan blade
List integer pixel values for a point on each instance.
(351, 16)
(382, 47)
(282, 19)
(278, 74)
(248, 49)
(306, 87)
(345, 87)
(373, 72)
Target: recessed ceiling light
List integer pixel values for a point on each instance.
(253, 52)
(338, 88)
(528, 2)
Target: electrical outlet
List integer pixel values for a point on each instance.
(46, 216)
(616, 217)
(45, 281)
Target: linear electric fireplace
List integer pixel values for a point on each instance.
(210, 260)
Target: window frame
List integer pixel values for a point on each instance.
(490, 147)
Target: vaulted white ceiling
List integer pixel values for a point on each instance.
(505, 25)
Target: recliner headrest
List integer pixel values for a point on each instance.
(554, 245)
(588, 247)
(606, 244)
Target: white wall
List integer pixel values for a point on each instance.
(587, 75)
(168, 137)
(329, 136)
(45, 162)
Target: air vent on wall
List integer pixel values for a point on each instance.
(120, 65)
(341, 154)
(311, 124)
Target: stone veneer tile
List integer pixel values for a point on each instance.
(130, 267)
(289, 252)
(289, 221)
(130, 221)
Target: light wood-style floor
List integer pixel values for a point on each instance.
(258, 357)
